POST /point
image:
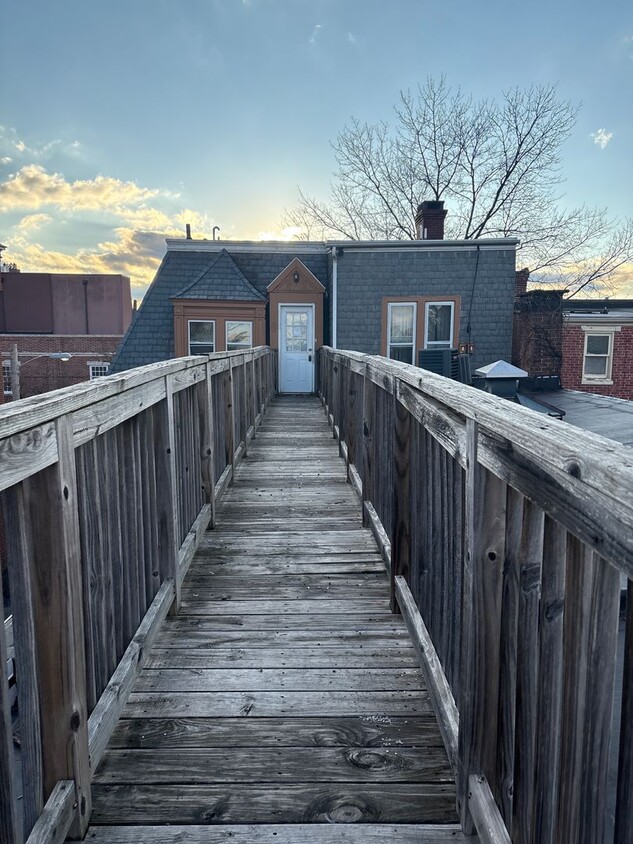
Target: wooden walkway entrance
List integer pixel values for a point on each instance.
(285, 692)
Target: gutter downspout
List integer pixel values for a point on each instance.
(334, 296)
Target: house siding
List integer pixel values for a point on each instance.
(364, 278)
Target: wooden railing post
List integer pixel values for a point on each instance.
(369, 421)
(8, 819)
(229, 423)
(401, 509)
(485, 510)
(255, 403)
(49, 527)
(244, 408)
(208, 444)
(167, 508)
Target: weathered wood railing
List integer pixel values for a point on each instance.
(106, 489)
(505, 534)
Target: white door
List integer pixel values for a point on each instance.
(296, 349)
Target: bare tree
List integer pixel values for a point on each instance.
(496, 164)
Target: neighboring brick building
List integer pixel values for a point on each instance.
(394, 298)
(597, 347)
(49, 313)
(538, 331)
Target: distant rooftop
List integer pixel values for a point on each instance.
(604, 415)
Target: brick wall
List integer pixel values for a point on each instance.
(537, 333)
(43, 374)
(622, 368)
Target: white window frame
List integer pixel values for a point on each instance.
(7, 388)
(215, 336)
(100, 364)
(238, 346)
(413, 344)
(598, 331)
(438, 344)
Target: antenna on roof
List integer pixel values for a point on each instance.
(188, 231)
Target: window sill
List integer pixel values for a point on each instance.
(604, 382)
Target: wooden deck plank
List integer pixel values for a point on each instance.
(276, 765)
(365, 833)
(279, 657)
(284, 697)
(278, 679)
(355, 731)
(269, 803)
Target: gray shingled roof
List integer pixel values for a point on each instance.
(221, 280)
(150, 337)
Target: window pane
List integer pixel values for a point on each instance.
(202, 332)
(597, 344)
(401, 323)
(404, 354)
(238, 334)
(595, 366)
(439, 323)
(296, 331)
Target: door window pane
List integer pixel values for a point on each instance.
(201, 337)
(239, 335)
(439, 325)
(296, 333)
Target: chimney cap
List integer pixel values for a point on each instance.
(431, 205)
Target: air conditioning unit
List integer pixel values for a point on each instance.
(441, 361)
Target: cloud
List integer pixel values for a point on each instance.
(11, 144)
(351, 38)
(33, 187)
(601, 138)
(6, 159)
(33, 221)
(315, 33)
(139, 218)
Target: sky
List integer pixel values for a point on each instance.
(122, 121)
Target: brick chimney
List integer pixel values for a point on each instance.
(521, 281)
(429, 221)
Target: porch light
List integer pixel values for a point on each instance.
(295, 275)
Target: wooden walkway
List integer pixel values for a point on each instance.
(285, 697)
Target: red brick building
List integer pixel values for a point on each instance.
(48, 313)
(597, 347)
(586, 344)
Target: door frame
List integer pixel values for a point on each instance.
(308, 306)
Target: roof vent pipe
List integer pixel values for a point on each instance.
(188, 231)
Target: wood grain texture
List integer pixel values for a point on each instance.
(284, 690)
(366, 833)
(267, 803)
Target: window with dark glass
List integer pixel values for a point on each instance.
(438, 325)
(201, 337)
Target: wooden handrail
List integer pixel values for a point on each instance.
(107, 489)
(506, 535)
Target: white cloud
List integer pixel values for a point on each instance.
(601, 138)
(6, 159)
(33, 221)
(315, 33)
(33, 187)
(11, 143)
(351, 38)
